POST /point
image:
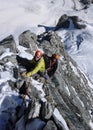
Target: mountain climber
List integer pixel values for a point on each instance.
(53, 64)
(39, 65)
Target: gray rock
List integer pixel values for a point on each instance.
(78, 23)
(32, 110)
(50, 126)
(86, 1)
(50, 42)
(46, 111)
(8, 42)
(64, 22)
(11, 58)
(1, 50)
(69, 88)
(28, 40)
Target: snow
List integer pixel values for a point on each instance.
(74, 69)
(67, 90)
(38, 86)
(91, 124)
(9, 99)
(60, 119)
(6, 53)
(77, 99)
(83, 55)
(18, 16)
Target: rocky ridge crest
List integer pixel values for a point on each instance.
(69, 91)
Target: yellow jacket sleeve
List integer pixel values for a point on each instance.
(39, 67)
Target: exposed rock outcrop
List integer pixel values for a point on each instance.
(28, 40)
(8, 43)
(69, 91)
(86, 1)
(67, 21)
(71, 88)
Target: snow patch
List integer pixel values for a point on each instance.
(60, 119)
(74, 69)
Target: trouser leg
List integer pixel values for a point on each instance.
(44, 74)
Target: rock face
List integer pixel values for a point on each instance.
(28, 40)
(86, 1)
(8, 43)
(67, 21)
(50, 126)
(72, 93)
(69, 89)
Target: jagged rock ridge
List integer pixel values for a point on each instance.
(69, 90)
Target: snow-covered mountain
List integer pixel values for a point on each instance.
(40, 16)
(18, 16)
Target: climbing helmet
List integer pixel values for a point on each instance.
(56, 56)
(38, 55)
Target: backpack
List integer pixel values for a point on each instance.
(47, 61)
